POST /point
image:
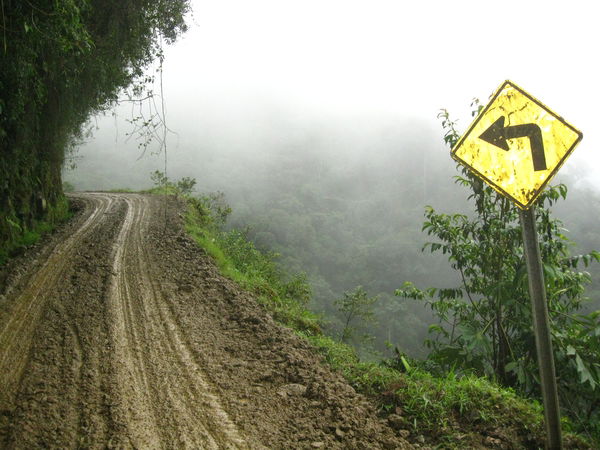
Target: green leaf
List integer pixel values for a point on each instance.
(405, 363)
(435, 328)
(584, 373)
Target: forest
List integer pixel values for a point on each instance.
(374, 215)
(345, 206)
(60, 65)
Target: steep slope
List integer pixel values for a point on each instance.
(120, 332)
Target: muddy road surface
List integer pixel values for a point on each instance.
(119, 332)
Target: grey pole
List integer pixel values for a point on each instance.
(541, 326)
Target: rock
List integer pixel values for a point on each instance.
(492, 442)
(187, 288)
(317, 444)
(404, 434)
(292, 390)
(396, 422)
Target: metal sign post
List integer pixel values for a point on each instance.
(541, 326)
(516, 145)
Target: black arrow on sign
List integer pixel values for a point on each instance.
(497, 134)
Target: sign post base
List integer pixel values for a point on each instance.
(543, 342)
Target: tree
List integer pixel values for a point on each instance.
(63, 61)
(484, 324)
(356, 307)
(159, 179)
(186, 185)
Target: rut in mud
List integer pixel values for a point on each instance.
(120, 333)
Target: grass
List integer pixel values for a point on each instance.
(451, 411)
(162, 190)
(26, 237)
(238, 259)
(121, 190)
(443, 408)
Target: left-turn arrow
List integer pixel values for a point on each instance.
(497, 134)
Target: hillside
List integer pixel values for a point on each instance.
(120, 332)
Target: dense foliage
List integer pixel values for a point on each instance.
(356, 308)
(63, 60)
(485, 323)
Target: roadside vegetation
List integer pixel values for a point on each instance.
(62, 62)
(456, 409)
(26, 236)
(484, 324)
(238, 259)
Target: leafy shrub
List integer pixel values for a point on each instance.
(484, 325)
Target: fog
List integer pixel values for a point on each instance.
(318, 122)
(248, 75)
(389, 59)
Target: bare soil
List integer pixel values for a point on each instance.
(119, 332)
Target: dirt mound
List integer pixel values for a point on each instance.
(121, 333)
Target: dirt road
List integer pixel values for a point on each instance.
(119, 333)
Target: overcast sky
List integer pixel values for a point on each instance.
(392, 59)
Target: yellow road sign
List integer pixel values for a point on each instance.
(516, 144)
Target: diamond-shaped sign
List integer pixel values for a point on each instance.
(516, 144)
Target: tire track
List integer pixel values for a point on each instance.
(18, 322)
(167, 401)
(127, 337)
